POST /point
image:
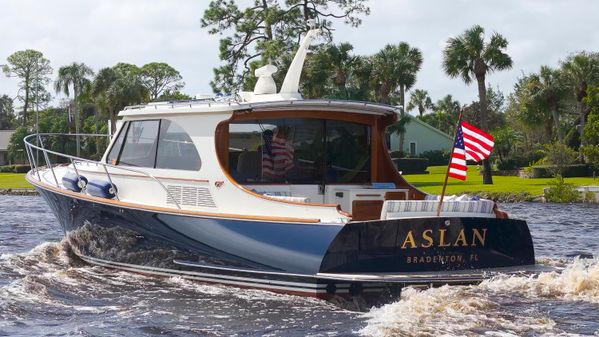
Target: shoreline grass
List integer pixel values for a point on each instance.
(430, 183)
(433, 183)
(13, 180)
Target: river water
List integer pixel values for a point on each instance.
(45, 291)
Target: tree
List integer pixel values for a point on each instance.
(590, 149)
(581, 71)
(449, 105)
(266, 30)
(7, 118)
(327, 72)
(468, 56)
(176, 95)
(33, 69)
(395, 67)
(159, 77)
(400, 127)
(420, 99)
(547, 89)
(341, 61)
(115, 88)
(16, 147)
(77, 76)
(495, 109)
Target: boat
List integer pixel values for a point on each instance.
(268, 190)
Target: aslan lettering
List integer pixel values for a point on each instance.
(440, 238)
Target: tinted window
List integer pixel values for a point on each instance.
(140, 144)
(285, 150)
(348, 152)
(116, 147)
(299, 151)
(175, 148)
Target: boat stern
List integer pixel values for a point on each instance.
(434, 244)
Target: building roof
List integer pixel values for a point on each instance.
(5, 139)
(432, 128)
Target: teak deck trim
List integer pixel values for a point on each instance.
(81, 196)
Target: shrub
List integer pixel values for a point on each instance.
(507, 164)
(397, 154)
(561, 191)
(436, 157)
(411, 165)
(7, 168)
(559, 156)
(21, 168)
(547, 171)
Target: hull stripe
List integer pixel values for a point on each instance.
(206, 276)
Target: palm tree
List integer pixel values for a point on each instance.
(399, 128)
(547, 89)
(395, 67)
(449, 105)
(341, 62)
(75, 75)
(420, 99)
(116, 87)
(581, 71)
(468, 56)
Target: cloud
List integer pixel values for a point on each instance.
(102, 33)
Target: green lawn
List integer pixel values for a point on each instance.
(433, 182)
(13, 180)
(430, 183)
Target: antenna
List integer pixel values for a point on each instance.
(292, 78)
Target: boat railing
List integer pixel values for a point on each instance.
(34, 145)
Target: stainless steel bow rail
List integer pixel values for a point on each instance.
(33, 149)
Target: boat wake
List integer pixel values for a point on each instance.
(501, 306)
(51, 281)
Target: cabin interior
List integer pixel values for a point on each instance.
(314, 157)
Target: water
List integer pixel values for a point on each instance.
(45, 291)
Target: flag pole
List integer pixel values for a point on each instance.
(455, 135)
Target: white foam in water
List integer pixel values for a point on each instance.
(449, 310)
(468, 310)
(578, 281)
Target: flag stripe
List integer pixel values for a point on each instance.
(481, 146)
(475, 148)
(470, 144)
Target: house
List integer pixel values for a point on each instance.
(4, 140)
(421, 137)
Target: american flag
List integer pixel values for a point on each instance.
(277, 155)
(470, 144)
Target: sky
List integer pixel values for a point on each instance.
(102, 33)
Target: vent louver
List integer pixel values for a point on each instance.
(190, 196)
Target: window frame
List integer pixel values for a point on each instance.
(325, 140)
(118, 162)
(123, 130)
(415, 148)
(158, 145)
(127, 127)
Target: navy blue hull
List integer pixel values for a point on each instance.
(314, 259)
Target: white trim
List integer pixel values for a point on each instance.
(216, 278)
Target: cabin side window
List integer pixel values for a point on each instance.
(139, 148)
(113, 155)
(175, 148)
(156, 144)
(299, 151)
